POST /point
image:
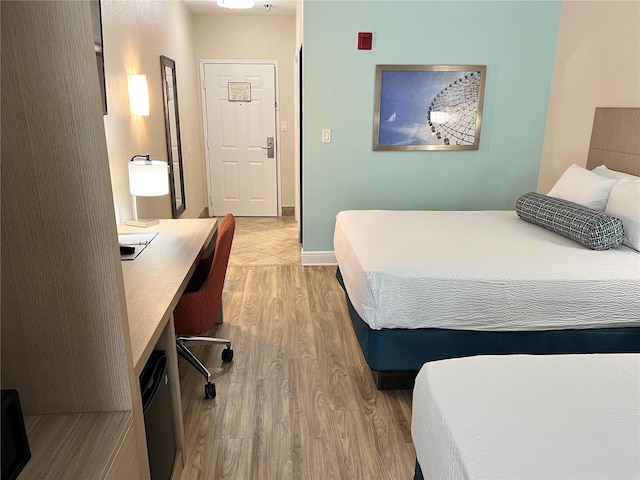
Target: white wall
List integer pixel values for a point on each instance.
(136, 33)
(258, 38)
(597, 65)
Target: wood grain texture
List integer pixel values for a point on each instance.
(167, 343)
(63, 338)
(615, 140)
(157, 277)
(126, 464)
(153, 283)
(298, 401)
(75, 446)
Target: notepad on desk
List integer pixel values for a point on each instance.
(135, 241)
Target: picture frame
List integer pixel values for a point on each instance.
(239, 91)
(428, 107)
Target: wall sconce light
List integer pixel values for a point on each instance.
(139, 95)
(147, 178)
(237, 3)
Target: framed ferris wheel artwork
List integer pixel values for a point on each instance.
(428, 107)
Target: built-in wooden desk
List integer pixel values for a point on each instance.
(103, 444)
(153, 284)
(155, 280)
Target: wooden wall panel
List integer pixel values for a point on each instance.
(63, 333)
(615, 140)
(127, 463)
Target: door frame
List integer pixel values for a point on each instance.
(207, 158)
(297, 116)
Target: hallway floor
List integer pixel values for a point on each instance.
(298, 401)
(265, 241)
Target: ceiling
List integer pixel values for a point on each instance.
(279, 8)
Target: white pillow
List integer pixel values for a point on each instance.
(624, 203)
(605, 172)
(579, 185)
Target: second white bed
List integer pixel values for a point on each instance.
(537, 417)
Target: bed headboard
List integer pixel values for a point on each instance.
(615, 140)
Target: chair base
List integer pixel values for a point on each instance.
(184, 352)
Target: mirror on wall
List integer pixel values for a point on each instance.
(172, 130)
(96, 25)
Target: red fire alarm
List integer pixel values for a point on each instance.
(365, 40)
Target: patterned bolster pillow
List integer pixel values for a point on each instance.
(591, 228)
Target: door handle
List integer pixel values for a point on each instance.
(269, 148)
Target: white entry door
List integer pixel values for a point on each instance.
(240, 133)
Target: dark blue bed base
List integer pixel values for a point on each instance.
(418, 475)
(406, 350)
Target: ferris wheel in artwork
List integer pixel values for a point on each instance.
(428, 107)
(453, 113)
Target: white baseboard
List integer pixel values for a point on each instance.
(318, 258)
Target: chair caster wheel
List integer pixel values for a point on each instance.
(210, 390)
(227, 354)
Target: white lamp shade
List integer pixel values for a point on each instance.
(148, 179)
(139, 95)
(237, 3)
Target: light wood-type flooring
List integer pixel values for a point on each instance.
(298, 401)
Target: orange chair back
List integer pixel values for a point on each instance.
(197, 311)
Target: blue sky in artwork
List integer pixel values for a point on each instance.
(405, 97)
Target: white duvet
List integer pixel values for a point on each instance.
(482, 270)
(528, 417)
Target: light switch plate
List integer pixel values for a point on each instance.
(326, 135)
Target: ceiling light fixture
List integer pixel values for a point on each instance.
(237, 3)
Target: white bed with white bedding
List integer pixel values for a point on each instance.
(522, 416)
(558, 275)
(487, 271)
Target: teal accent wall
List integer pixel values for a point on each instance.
(516, 40)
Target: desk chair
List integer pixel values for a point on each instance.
(200, 305)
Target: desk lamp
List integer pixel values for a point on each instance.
(147, 178)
